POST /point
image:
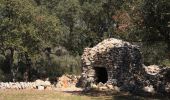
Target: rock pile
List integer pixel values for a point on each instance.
(104, 87)
(66, 81)
(120, 63)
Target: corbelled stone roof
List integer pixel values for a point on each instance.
(125, 69)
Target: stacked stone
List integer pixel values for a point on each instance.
(67, 81)
(24, 85)
(64, 82)
(158, 78)
(113, 54)
(17, 85)
(124, 66)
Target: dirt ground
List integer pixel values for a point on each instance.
(47, 95)
(69, 95)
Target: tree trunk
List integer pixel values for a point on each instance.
(28, 68)
(11, 63)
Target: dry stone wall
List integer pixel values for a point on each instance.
(124, 66)
(64, 83)
(25, 85)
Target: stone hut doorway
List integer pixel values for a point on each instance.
(101, 74)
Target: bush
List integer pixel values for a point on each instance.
(67, 63)
(56, 66)
(2, 76)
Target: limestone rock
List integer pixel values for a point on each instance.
(109, 87)
(117, 89)
(103, 88)
(152, 69)
(149, 89)
(39, 82)
(47, 83)
(66, 81)
(41, 87)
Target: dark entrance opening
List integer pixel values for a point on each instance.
(101, 74)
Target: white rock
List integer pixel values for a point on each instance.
(40, 87)
(103, 88)
(117, 89)
(93, 86)
(47, 83)
(152, 69)
(109, 86)
(149, 89)
(39, 82)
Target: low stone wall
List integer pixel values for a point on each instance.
(17, 85)
(38, 84)
(64, 83)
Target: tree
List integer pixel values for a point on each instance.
(22, 26)
(152, 30)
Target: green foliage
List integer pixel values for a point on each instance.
(58, 66)
(69, 64)
(2, 58)
(166, 62)
(48, 36)
(154, 53)
(153, 31)
(2, 76)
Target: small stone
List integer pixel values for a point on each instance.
(149, 89)
(39, 82)
(110, 87)
(100, 84)
(40, 87)
(103, 88)
(93, 86)
(152, 69)
(117, 89)
(47, 83)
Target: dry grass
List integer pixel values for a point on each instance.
(39, 95)
(54, 95)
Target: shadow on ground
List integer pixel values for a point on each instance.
(105, 95)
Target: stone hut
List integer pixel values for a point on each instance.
(119, 63)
